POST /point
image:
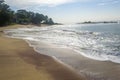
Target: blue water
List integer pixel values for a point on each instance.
(111, 28)
(95, 41)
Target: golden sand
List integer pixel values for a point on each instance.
(20, 62)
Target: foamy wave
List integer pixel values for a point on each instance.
(102, 46)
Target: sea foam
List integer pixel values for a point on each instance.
(103, 46)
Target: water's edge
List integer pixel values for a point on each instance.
(93, 54)
(87, 75)
(57, 60)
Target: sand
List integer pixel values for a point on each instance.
(18, 61)
(91, 69)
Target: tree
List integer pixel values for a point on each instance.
(38, 18)
(25, 17)
(30, 16)
(1, 1)
(6, 14)
(50, 21)
(22, 17)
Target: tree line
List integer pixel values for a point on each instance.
(8, 16)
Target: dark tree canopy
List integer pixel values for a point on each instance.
(50, 21)
(38, 18)
(7, 16)
(22, 17)
(6, 13)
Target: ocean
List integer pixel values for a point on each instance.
(96, 41)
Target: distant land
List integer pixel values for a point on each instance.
(58, 23)
(90, 22)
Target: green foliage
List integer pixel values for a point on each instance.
(7, 16)
(48, 20)
(37, 18)
(22, 17)
(25, 17)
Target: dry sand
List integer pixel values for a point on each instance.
(20, 62)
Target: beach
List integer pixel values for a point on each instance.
(18, 61)
(89, 68)
(31, 59)
(59, 40)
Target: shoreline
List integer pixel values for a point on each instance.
(28, 64)
(88, 68)
(91, 69)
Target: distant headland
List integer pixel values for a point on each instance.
(91, 22)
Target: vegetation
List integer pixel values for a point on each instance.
(8, 16)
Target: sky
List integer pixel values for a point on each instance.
(71, 11)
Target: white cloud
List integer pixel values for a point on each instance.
(102, 4)
(108, 2)
(21, 3)
(24, 4)
(49, 3)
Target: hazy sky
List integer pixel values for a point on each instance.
(70, 11)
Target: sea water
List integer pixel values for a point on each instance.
(96, 41)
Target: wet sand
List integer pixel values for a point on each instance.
(43, 67)
(91, 69)
(18, 61)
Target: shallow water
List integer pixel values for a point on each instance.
(95, 41)
(99, 42)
